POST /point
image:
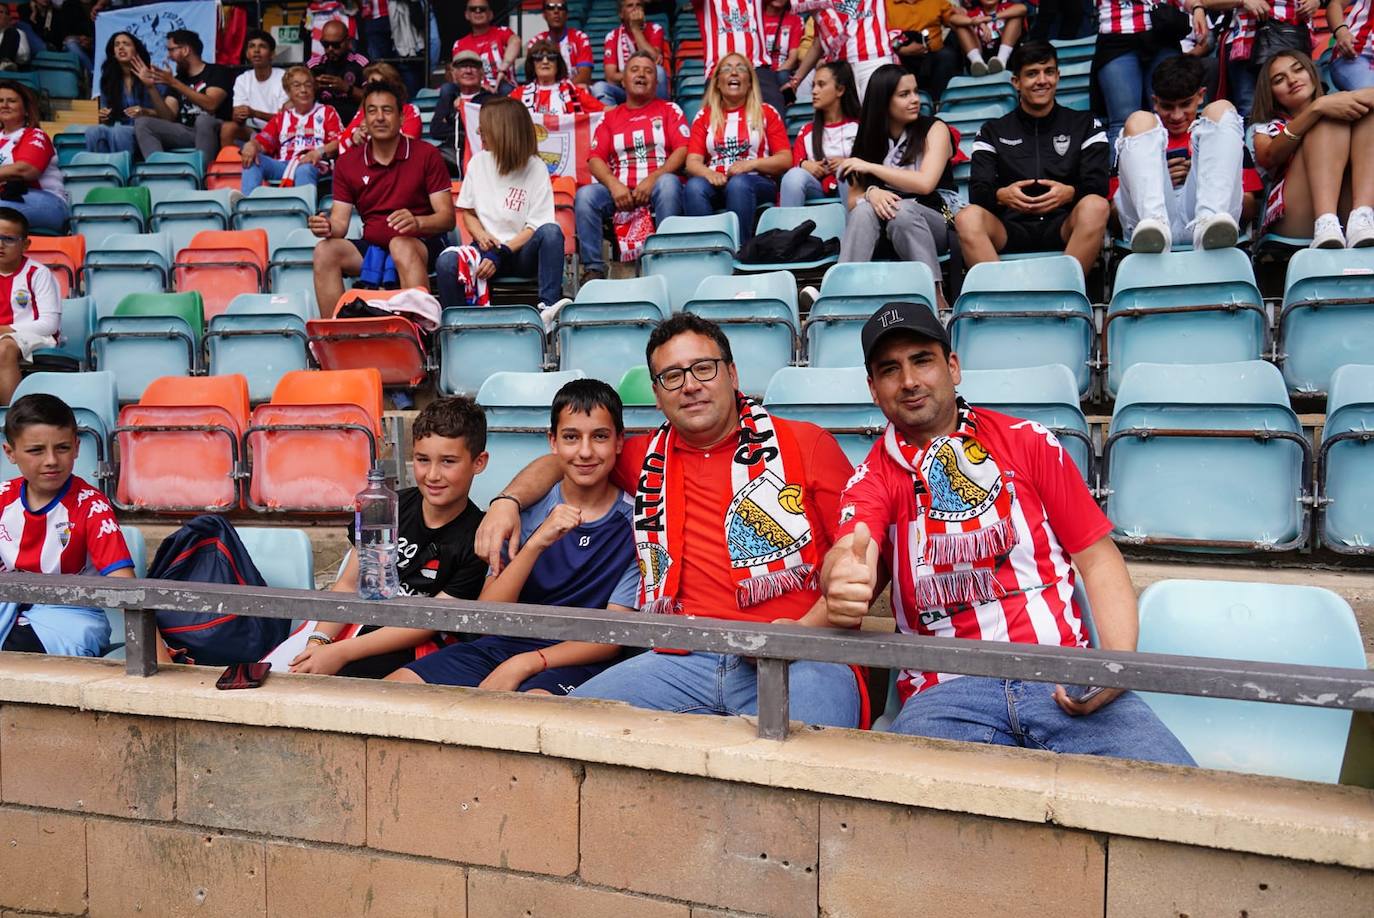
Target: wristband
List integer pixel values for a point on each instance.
(317, 637)
(1338, 28)
(1290, 135)
(509, 497)
(1199, 6)
(543, 659)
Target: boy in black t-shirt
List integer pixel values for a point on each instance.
(435, 556)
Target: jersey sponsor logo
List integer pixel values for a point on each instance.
(584, 541)
(85, 495)
(1009, 141)
(107, 527)
(5, 535)
(1040, 429)
(1061, 144)
(99, 507)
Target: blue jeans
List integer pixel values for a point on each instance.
(798, 187)
(594, 206)
(44, 210)
(1009, 712)
(1354, 73)
(712, 683)
(1240, 85)
(74, 47)
(741, 195)
(541, 257)
(609, 93)
(1125, 85)
(269, 169)
(110, 138)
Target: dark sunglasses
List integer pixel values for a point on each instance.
(331, 44)
(555, 7)
(544, 56)
(479, 9)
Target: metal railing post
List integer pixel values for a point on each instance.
(140, 642)
(774, 704)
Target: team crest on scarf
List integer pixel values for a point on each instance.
(766, 522)
(963, 483)
(653, 564)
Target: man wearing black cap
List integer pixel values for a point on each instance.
(979, 519)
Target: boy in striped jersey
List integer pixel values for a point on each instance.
(30, 308)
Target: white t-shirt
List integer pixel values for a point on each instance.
(506, 204)
(266, 96)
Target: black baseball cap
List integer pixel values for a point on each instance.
(917, 318)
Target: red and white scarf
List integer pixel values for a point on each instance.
(469, 257)
(767, 532)
(963, 517)
(561, 98)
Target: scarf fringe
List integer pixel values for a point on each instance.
(759, 589)
(664, 605)
(974, 545)
(954, 587)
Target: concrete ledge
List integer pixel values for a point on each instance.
(1290, 819)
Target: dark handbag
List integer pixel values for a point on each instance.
(1272, 37)
(1169, 25)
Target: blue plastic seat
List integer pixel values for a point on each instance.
(279, 211)
(126, 264)
(834, 398)
(829, 219)
(192, 212)
(149, 335)
(167, 173)
(683, 250)
(605, 329)
(292, 264)
(1346, 463)
(1264, 622)
(92, 397)
(852, 292)
(1025, 313)
(138, 553)
(475, 343)
(78, 321)
(1046, 396)
(517, 409)
(759, 313)
(95, 170)
(1327, 319)
(261, 335)
(283, 556)
(1207, 457)
(963, 89)
(1183, 307)
(108, 212)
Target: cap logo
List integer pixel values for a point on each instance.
(889, 317)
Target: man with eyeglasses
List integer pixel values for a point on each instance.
(573, 44)
(497, 46)
(30, 306)
(338, 71)
(634, 35)
(734, 510)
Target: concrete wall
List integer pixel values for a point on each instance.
(324, 797)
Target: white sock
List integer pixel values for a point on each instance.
(1004, 53)
(975, 56)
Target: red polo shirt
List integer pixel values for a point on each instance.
(376, 190)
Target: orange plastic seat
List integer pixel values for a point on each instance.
(391, 344)
(221, 264)
(179, 446)
(64, 256)
(226, 171)
(312, 446)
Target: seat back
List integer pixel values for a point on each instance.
(1045, 396)
(475, 343)
(852, 292)
(92, 397)
(188, 307)
(517, 409)
(78, 321)
(1327, 319)
(1265, 622)
(683, 250)
(64, 256)
(759, 314)
(608, 325)
(284, 557)
(261, 335)
(1347, 522)
(829, 220)
(836, 398)
(636, 390)
(221, 265)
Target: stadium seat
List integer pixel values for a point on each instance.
(192, 212)
(637, 400)
(392, 344)
(1327, 319)
(68, 142)
(683, 250)
(1025, 313)
(292, 266)
(849, 294)
(759, 313)
(64, 256)
(126, 264)
(475, 343)
(1264, 622)
(1207, 457)
(95, 170)
(836, 398)
(261, 335)
(148, 336)
(179, 446)
(226, 172)
(59, 73)
(1045, 396)
(78, 321)
(829, 220)
(109, 212)
(1182, 307)
(138, 553)
(606, 328)
(166, 172)
(220, 265)
(1346, 462)
(311, 447)
(92, 399)
(283, 556)
(963, 90)
(517, 409)
(277, 211)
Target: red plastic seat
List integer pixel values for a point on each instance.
(226, 171)
(391, 344)
(64, 256)
(221, 264)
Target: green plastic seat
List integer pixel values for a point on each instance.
(185, 306)
(636, 388)
(136, 195)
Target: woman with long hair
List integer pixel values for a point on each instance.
(828, 139)
(738, 147)
(30, 180)
(123, 97)
(900, 181)
(547, 89)
(1306, 146)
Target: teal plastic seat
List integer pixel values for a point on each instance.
(261, 335)
(517, 409)
(283, 556)
(964, 89)
(836, 398)
(124, 264)
(1265, 622)
(852, 292)
(1346, 462)
(78, 321)
(88, 170)
(829, 219)
(92, 397)
(291, 266)
(474, 343)
(760, 318)
(279, 211)
(683, 250)
(192, 212)
(167, 173)
(1025, 313)
(138, 553)
(1183, 307)
(148, 336)
(605, 329)
(1046, 396)
(1327, 319)
(1207, 457)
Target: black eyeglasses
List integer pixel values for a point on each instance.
(703, 370)
(544, 56)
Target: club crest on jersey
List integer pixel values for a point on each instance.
(963, 482)
(431, 569)
(656, 570)
(21, 299)
(766, 522)
(1061, 144)
(64, 533)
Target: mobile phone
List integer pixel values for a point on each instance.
(243, 675)
(1177, 154)
(1082, 694)
(913, 37)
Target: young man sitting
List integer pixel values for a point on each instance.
(30, 307)
(434, 544)
(576, 550)
(290, 147)
(52, 522)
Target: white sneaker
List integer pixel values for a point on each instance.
(977, 69)
(550, 313)
(807, 296)
(1359, 228)
(1219, 231)
(1326, 233)
(995, 65)
(1151, 236)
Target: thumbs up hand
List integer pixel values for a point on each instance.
(852, 575)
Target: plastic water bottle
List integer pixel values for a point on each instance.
(375, 525)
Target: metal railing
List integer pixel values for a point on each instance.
(771, 646)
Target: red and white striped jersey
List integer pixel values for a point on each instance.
(1241, 39)
(561, 98)
(1054, 516)
(736, 140)
(411, 126)
(290, 133)
(1361, 23)
(73, 533)
(854, 31)
(29, 300)
(633, 142)
(374, 9)
(732, 27)
(1123, 17)
(837, 140)
(575, 47)
(33, 146)
(491, 48)
(781, 34)
(620, 44)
